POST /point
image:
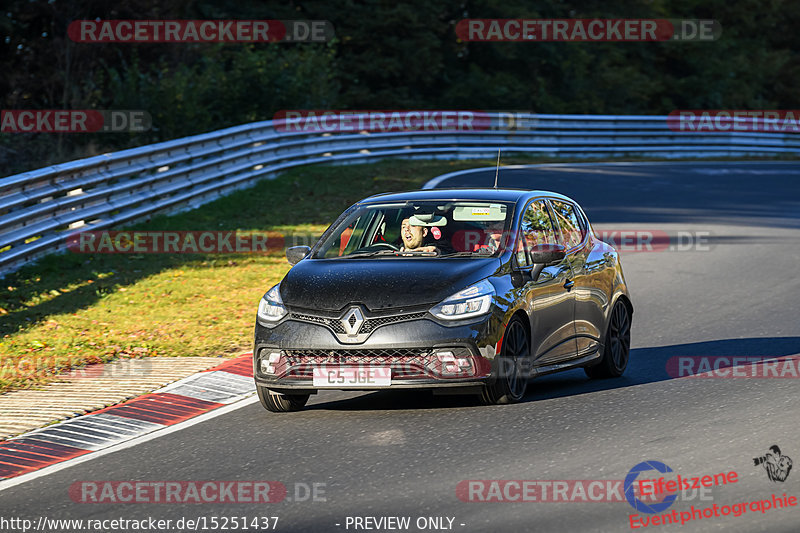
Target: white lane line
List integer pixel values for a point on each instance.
(433, 182)
(24, 478)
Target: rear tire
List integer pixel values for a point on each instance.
(511, 382)
(617, 346)
(281, 403)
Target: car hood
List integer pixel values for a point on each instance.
(331, 284)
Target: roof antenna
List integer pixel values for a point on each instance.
(497, 170)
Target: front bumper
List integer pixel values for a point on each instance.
(421, 354)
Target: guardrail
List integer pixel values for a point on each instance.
(38, 209)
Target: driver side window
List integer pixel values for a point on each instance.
(361, 232)
(536, 228)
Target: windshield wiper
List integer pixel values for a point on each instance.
(396, 253)
(418, 252)
(465, 254)
(370, 254)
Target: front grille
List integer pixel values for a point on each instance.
(404, 362)
(310, 318)
(372, 324)
(357, 357)
(336, 325)
(369, 325)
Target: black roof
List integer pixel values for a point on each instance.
(488, 194)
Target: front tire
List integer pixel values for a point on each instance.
(617, 345)
(281, 403)
(511, 382)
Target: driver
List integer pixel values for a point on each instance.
(494, 234)
(413, 236)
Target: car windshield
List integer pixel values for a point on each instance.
(460, 228)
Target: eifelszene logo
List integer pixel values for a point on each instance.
(630, 485)
(655, 495)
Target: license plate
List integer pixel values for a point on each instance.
(344, 376)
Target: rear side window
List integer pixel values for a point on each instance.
(536, 228)
(572, 231)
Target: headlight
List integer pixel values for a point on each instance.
(270, 308)
(472, 301)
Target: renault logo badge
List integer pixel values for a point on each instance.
(352, 321)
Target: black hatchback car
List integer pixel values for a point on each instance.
(460, 291)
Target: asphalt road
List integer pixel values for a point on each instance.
(735, 292)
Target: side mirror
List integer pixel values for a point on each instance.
(296, 253)
(547, 254)
(544, 255)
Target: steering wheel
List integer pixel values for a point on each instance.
(386, 245)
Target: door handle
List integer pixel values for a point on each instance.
(569, 284)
